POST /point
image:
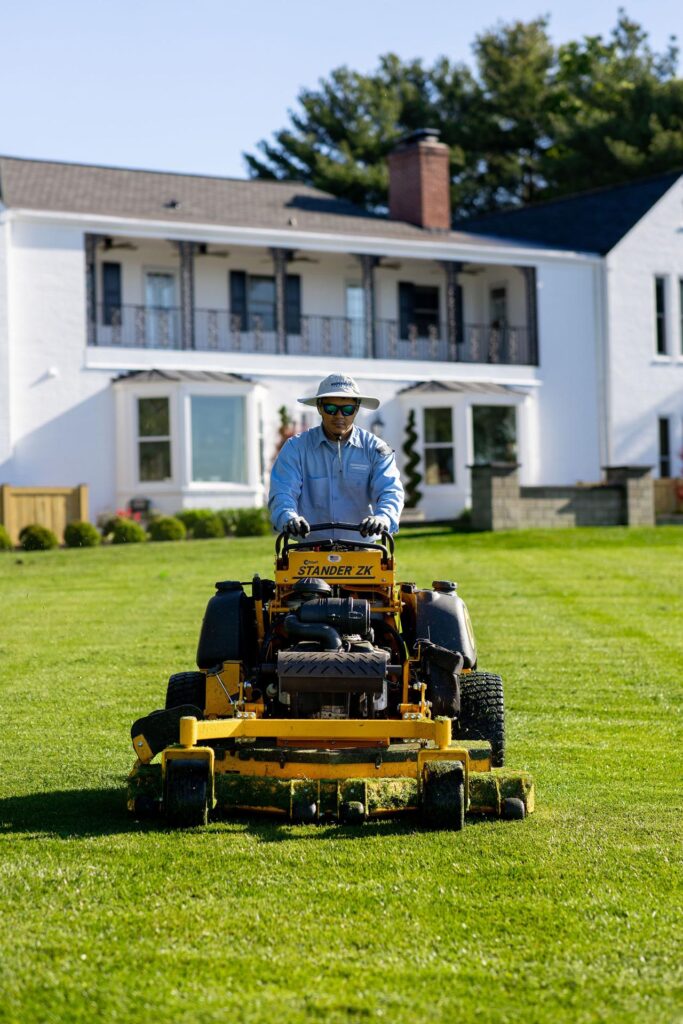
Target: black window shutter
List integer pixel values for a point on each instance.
(459, 314)
(111, 293)
(293, 304)
(406, 307)
(238, 298)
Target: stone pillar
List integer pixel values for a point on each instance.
(453, 314)
(280, 257)
(91, 287)
(367, 266)
(495, 496)
(529, 274)
(187, 251)
(639, 493)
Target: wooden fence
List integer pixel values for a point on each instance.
(53, 507)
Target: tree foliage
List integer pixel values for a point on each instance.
(531, 120)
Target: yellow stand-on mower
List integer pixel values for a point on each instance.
(332, 693)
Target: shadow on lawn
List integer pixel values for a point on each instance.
(84, 813)
(69, 814)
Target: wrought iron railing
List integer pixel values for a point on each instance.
(217, 330)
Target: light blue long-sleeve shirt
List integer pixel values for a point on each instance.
(329, 483)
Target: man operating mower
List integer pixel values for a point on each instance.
(336, 472)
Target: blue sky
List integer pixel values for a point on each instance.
(188, 86)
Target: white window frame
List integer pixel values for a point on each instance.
(439, 444)
(139, 439)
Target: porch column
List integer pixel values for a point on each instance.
(280, 258)
(453, 313)
(367, 266)
(529, 274)
(187, 251)
(91, 288)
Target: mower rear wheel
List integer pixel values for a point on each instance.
(186, 794)
(443, 795)
(186, 688)
(482, 712)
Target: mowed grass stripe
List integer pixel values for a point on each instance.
(569, 916)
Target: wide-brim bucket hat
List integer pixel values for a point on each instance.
(338, 385)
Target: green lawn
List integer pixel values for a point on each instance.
(572, 915)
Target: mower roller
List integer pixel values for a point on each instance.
(331, 693)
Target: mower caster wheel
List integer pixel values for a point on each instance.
(304, 812)
(145, 806)
(443, 799)
(186, 793)
(513, 809)
(352, 812)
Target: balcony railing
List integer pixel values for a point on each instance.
(217, 330)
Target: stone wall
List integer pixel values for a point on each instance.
(626, 498)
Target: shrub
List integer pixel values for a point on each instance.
(228, 517)
(208, 526)
(81, 535)
(166, 528)
(252, 522)
(37, 538)
(127, 531)
(5, 542)
(189, 517)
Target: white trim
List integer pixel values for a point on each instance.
(433, 249)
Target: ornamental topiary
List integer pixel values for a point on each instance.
(412, 479)
(208, 527)
(127, 531)
(252, 522)
(81, 535)
(37, 538)
(5, 542)
(166, 528)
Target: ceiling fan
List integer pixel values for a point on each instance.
(108, 244)
(203, 250)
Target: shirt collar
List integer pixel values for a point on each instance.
(354, 439)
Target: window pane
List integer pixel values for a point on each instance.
(660, 313)
(153, 418)
(495, 433)
(439, 466)
(155, 460)
(262, 302)
(438, 425)
(664, 447)
(218, 441)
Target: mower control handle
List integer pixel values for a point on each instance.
(387, 541)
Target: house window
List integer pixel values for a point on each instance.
(494, 429)
(418, 310)
(439, 452)
(154, 439)
(664, 446)
(660, 314)
(253, 302)
(218, 439)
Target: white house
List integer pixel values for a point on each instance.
(152, 325)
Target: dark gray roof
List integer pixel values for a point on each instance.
(458, 387)
(113, 191)
(588, 221)
(195, 376)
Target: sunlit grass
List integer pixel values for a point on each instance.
(568, 916)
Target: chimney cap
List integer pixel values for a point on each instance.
(421, 135)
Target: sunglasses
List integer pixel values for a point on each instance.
(346, 410)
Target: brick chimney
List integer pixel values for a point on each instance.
(419, 181)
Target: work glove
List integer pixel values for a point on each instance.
(297, 527)
(373, 524)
